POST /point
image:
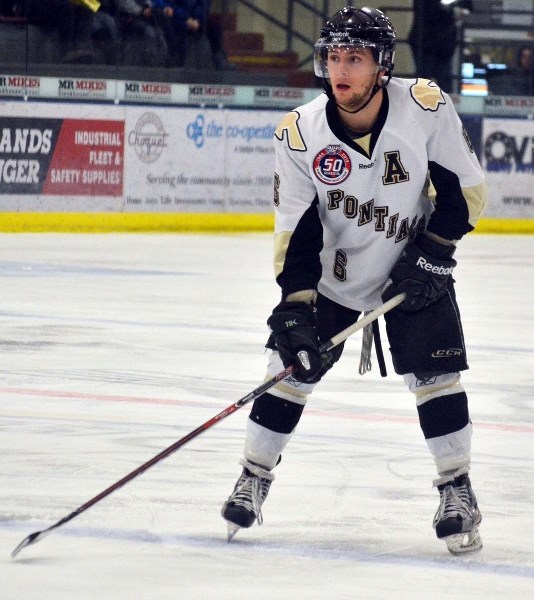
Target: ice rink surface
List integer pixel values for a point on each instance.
(115, 346)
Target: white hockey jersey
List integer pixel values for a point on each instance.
(345, 207)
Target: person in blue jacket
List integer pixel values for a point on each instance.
(184, 22)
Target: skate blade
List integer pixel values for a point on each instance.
(232, 529)
(464, 543)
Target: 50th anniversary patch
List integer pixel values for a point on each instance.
(332, 165)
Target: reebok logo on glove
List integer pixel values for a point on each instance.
(426, 266)
(423, 273)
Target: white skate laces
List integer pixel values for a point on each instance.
(243, 507)
(458, 517)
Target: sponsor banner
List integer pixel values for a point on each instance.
(508, 160)
(149, 92)
(44, 156)
(74, 88)
(279, 96)
(146, 91)
(199, 160)
(20, 86)
(512, 106)
(26, 148)
(69, 88)
(88, 159)
(212, 94)
(63, 157)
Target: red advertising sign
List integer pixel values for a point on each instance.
(88, 159)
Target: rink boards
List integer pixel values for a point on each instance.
(116, 167)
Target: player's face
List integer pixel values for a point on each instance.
(353, 73)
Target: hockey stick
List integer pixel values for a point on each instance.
(331, 343)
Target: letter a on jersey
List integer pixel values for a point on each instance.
(394, 171)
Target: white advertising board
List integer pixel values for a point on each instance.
(63, 157)
(199, 160)
(508, 160)
(150, 92)
(66, 157)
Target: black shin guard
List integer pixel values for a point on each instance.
(443, 415)
(275, 413)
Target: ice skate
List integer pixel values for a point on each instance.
(457, 518)
(243, 506)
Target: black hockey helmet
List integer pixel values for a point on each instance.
(359, 28)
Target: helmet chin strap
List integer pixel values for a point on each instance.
(374, 91)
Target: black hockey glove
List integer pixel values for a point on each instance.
(293, 327)
(422, 273)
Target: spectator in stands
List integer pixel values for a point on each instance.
(525, 71)
(141, 33)
(12, 8)
(163, 12)
(524, 58)
(106, 32)
(187, 25)
(214, 32)
(74, 23)
(432, 38)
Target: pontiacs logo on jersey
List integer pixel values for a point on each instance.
(332, 165)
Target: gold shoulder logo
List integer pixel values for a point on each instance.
(289, 126)
(427, 94)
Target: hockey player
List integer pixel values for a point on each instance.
(376, 180)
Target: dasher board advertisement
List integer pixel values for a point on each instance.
(64, 157)
(508, 161)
